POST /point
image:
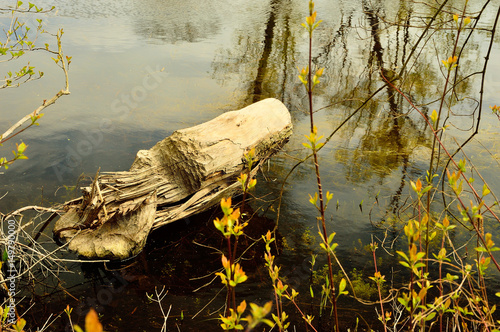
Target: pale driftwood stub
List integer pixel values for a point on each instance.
(118, 238)
(184, 174)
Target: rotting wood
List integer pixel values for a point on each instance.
(182, 175)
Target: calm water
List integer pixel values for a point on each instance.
(142, 69)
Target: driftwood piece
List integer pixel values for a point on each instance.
(182, 175)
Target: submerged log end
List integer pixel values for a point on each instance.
(121, 237)
(113, 246)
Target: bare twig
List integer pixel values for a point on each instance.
(159, 298)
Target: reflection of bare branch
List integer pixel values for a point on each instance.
(481, 92)
(483, 74)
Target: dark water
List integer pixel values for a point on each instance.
(142, 69)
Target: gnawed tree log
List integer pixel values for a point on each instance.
(182, 175)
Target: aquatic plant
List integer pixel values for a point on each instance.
(231, 225)
(314, 144)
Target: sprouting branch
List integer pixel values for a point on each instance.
(474, 192)
(46, 103)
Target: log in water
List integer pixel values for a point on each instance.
(182, 175)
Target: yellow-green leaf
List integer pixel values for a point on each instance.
(486, 190)
(434, 117)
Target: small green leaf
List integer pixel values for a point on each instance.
(404, 264)
(402, 254)
(342, 285)
(322, 245)
(329, 197)
(426, 189)
(486, 190)
(313, 199)
(330, 237)
(430, 316)
(418, 265)
(21, 148)
(434, 117)
(461, 165)
(403, 301)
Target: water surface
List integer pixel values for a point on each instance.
(142, 69)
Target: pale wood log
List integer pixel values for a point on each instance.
(188, 172)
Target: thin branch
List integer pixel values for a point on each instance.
(45, 103)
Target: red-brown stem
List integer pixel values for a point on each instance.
(301, 313)
(419, 225)
(278, 309)
(309, 84)
(441, 103)
(245, 191)
(426, 246)
(435, 138)
(230, 290)
(441, 283)
(325, 235)
(235, 246)
(379, 292)
(411, 297)
(320, 189)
